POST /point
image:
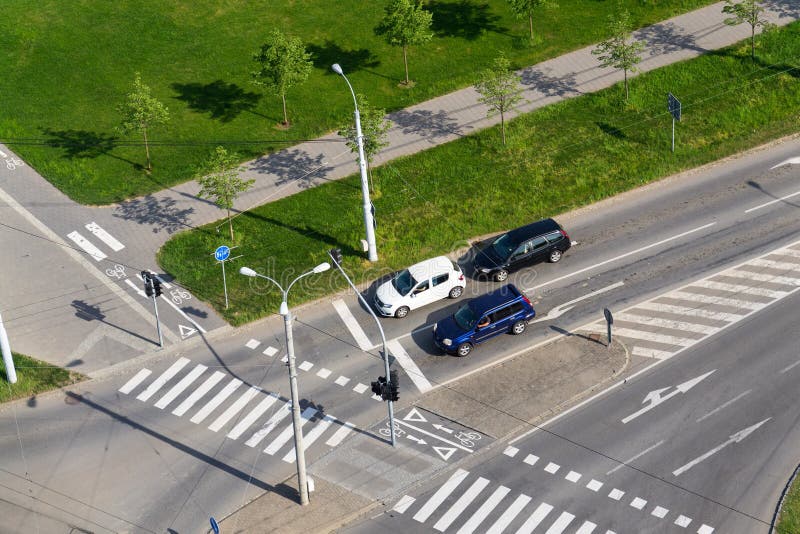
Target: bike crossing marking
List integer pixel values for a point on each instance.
(161, 380)
(104, 236)
(87, 246)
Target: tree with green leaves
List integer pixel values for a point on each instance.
(141, 111)
(374, 127)
(500, 90)
(283, 62)
(406, 23)
(220, 182)
(525, 8)
(619, 50)
(748, 11)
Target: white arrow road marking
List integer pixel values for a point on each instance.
(418, 440)
(735, 438)
(654, 398)
(443, 428)
(434, 436)
(790, 161)
(564, 308)
(771, 202)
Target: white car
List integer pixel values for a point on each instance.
(420, 284)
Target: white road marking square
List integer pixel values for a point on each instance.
(683, 521)
(616, 494)
(252, 344)
(638, 503)
(324, 373)
(572, 476)
(659, 512)
(552, 468)
(377, 398)
(511, 451)
(705, 529)
(531, 459)
(270, 351)
(360, 388)
(594, 485)
(403, 504)
(306, 365)
(137, 379)
(341, 381)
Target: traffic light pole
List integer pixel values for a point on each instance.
(152, 288)
(385, 352)
(158, 323)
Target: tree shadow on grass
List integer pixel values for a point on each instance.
(611, 130)
(84, 144)
(329, 53)
(160, 214)
(223, 101)
(463, 19)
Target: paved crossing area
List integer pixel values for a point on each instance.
(259, 418)
(670, 323)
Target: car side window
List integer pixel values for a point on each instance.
(538, 243)
(508, 311)
(441, 279)
(552, 237)
(421, 287)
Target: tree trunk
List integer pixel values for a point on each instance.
(626, 84)
(530, 25)
(405, 63)
(503, 126)
(752, 41)
(285, 116)
(230, 225)
(146, 148)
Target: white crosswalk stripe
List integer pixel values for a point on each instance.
(288, 432)
(234, 408)
(178, 388)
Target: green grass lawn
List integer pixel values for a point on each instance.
(789, 521)
(68, 64)
(558, 158)
(34, 377)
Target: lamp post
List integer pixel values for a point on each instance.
(299, 450)
(369, 223)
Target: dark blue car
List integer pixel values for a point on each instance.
(503, 310)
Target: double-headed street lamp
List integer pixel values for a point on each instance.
(299, 449)
(369, 222)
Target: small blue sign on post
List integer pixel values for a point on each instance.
(214, 525)
(674, 106)
(222, 253)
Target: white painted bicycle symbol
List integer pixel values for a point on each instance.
(13, 163)
(399, 432)
(117, 272)
(467, 439)
(179, 295)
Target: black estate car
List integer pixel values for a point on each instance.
(533, 243)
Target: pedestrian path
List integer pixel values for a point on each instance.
(222, 404)
(670, 323)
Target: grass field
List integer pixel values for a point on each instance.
(34, 377)
(558, 158)
(789, 522)
(67, 65)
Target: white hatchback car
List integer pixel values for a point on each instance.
(420, 284)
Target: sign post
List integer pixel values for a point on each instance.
(609, 322)
(674, 107)
(223, 254)
(8, 358)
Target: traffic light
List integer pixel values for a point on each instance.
(394, 386)
(336, 255)
(156, 286)
(148, 283)
(378, 387)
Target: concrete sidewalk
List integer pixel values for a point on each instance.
(366, 475)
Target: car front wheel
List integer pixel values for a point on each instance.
(401, 312)
(518, 328)
(555, 255)
(464, 349)
(456, 292)
(501, 275)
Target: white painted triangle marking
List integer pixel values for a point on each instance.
(415, 416)
(185, 331)
(445, 452)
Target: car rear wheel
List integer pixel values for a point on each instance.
(555, 255)
(456, 292)
(401, 312)
(464, 349)
(501, 275)
(518, 328)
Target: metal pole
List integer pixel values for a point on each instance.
(8, 359)
(224, 284)
(158, 323)
(673, 134)
(385, 352)
(298, 431)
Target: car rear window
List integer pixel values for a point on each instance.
(554, 236)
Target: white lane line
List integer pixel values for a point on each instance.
(636, 457)
(252, 416)
(211, 405)
(282, 413)
(441, 494)
(725, 405)
(311, 437)
(771, 202)
(461, 504)
(104, 236)
(163, 283)
(434, 436)
(412, 371)
(288, 432)
(234, 408)
(136, 288)
(163, 379)
(586, 528)
(404, 504)
(177, 309)
(484, 510)
(535, 518)
(340, 434)
(560, 524)
(178, 388)
(646, 247)
(508, 516)
(135, 381)
(563, 308)
(352, 325)
(795, 364)
(87, 246)
(197, 394)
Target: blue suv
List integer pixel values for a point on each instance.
(504, 310)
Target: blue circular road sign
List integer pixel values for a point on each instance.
(214, 526)
(222, 253)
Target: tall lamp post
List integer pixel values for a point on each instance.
(299, 450)
(369, 222)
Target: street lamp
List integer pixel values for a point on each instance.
(299, 450)
(362, 164)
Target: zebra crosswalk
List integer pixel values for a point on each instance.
(670, 323)
(258, 417)
(89, 247)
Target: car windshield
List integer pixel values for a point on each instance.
(403, 282)
(465, 317)
(504, 246)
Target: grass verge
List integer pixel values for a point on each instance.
(558, 158)
(789, 521)
(34, 377)
(67, 65)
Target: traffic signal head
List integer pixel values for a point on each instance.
(336, 255)
(156, 286)
(394, 387)
(378, 387)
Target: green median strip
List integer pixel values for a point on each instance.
(789, 520)
(557, 159)
(34, 377)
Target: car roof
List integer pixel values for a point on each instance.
(425, 269)
(523, 233)
(495, 298)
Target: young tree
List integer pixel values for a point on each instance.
(500, 89)
(619, 51)
(406, 23)
(746, 11)
(283, 63)
(374, 128)
(141, 111)
(219, 181)
(525, 8)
